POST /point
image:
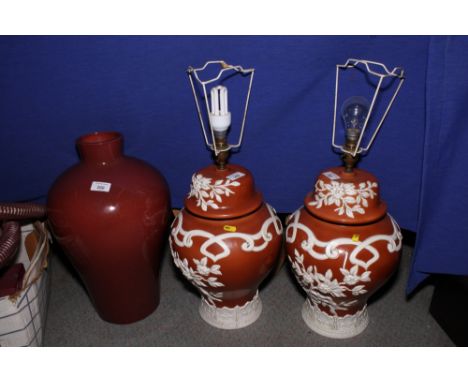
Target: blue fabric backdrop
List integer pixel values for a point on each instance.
(442, 230)
(54, 89)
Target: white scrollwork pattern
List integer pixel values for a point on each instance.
(202, 274)
(324, 288)
(252, 242)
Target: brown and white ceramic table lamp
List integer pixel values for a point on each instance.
(342, 244)
(226, 239)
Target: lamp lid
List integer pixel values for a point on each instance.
(346, 197)
(222, 194)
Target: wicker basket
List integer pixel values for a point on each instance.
(23, 314)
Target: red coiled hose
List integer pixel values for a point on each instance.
(10, 236)
(9, 241)
(19, 211)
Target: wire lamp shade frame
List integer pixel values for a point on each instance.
(193, 74)
(381, 74)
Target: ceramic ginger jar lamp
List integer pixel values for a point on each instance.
(342, 244)
(226, 239)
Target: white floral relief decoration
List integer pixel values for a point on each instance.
(326, 289)
(345, 196)
(203, 274)
(207, 194)
(321, 288)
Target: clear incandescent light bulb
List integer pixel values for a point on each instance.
(354, 113)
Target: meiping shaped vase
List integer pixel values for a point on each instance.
(342, 246)
(225, 241)
(110, 215)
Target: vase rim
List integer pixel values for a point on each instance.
(99, 138)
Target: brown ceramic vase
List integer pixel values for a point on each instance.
(225, 241)
(342, 246)
(110, 215)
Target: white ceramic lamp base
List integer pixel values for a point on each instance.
(231, 318)
(332, 326)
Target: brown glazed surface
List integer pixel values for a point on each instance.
(341, 220)
(242, 271)
(381, 270)
(114, 239)
(239, 273)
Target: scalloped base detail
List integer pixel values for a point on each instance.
(334, 327)
(231, 318)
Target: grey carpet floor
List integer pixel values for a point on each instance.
(394, 319)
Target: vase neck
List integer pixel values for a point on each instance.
(100, 147)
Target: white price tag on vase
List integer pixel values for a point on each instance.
(235, 175)
(100, 186)
(331, 175)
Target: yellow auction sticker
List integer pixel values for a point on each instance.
(230, 228)
(355, 237)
